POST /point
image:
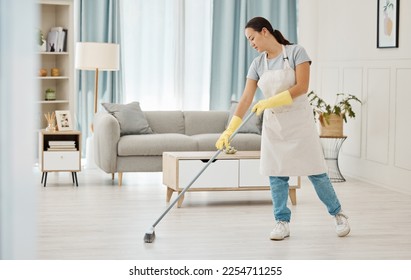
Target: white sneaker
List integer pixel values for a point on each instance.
(341, 224)
(281, 230)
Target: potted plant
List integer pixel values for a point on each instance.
(331, 116)
(50, 94)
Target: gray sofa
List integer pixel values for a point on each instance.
(171, 131)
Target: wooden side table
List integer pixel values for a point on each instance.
(60, 152)
(331, 148)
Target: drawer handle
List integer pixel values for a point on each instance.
(206, 160)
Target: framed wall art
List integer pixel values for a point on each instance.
(388, 23)
(64, 120)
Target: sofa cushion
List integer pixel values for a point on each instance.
(166, 121)
(241, 142)
(201, 122)
(254, 125)
(206, 142)
(247, 142)
(155, 144)
(130, 117)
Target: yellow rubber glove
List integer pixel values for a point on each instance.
(283, 98)
(232, 126)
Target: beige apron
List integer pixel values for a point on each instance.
(290, 144)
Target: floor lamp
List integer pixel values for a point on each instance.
(96, 57)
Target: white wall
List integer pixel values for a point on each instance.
(342, 37)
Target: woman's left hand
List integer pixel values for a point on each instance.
(283, 98)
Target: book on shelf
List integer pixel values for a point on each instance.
(52, 38)
(62, 143)
(62, 146)
(56, 39)
(64, 48)
(61, 149)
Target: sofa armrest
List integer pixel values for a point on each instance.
(106, 137)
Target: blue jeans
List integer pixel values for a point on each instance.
(322, 184)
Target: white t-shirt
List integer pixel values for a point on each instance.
(296, 55)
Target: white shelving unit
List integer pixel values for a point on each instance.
(53, 14)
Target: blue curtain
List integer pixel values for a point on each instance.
(99, 21)
(231, 55)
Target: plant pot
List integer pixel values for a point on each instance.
(50, 95)
(334, 127)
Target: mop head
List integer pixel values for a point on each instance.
(230, 150)
(150, 235)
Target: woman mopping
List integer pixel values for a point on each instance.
(290, 144)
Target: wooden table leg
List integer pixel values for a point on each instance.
(180, 201)
(169, 194)
(293, 196)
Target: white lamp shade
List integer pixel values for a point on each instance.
(101, 56)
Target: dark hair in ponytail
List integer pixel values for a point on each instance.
(258, 23)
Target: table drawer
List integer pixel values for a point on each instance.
(219, 174)
(61, 161)
(250, 175)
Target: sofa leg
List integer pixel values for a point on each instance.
(120, 179)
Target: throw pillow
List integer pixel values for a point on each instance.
(130, 118)
(254, 124)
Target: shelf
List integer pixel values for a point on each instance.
(55, 13)
(52, 101)
(53, 53)
(54, 78)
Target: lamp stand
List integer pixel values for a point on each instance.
(89, 142)
(96, 91)
(95, 97)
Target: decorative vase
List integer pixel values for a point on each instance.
(43, 72)
(388, 24)
(55, 72)
(43, 47)
(51, 127)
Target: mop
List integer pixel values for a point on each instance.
(150, 235)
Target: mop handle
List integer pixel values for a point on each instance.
(201, 172)
(242, 124)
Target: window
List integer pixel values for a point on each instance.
(167, 46)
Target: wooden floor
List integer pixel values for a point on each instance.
(99, 220)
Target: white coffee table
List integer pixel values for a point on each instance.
(230, 172)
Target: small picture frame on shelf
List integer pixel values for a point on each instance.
(64, 120)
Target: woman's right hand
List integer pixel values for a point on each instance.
(223, 141)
